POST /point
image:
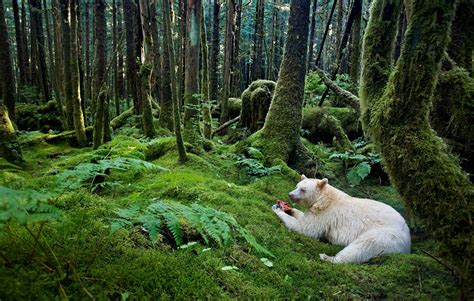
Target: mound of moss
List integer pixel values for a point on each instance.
(256, 101)
(33, 117)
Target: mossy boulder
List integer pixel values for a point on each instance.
(325, 125)
(235, 105)
(256, 101)
(32, 117)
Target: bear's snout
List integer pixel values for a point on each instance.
(292, 196)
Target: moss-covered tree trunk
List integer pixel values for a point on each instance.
(427, 176)
(169, 48)
(206, 100)
(6, 69)
(147, 71)
(228, 58)
(99, 72)
(78, 116)
(214, 52)
(192, 133)
(132, 68)
(279, 137)
(66, 62)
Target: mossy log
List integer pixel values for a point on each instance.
(347, 97)
(121, 119)
(256, 101)
(427, 176)
(9, 147)
(323, 127)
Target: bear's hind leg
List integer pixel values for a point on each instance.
(360, 250)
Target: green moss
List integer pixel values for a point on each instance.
(126, 263)
(32, 117)
(255, 104)
(235, 105)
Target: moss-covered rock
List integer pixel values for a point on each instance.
(33, 117)
(256, 101)
(9, 147)
(322, 126)
(235, 105)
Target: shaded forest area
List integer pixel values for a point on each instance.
(143, 142)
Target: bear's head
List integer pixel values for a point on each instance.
(309, 193)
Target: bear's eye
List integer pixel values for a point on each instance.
(303, 190)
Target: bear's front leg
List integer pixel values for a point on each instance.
(296, 213)
(290, 221)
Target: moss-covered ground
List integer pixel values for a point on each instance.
(79, 257)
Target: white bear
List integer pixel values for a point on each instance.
(366, 227)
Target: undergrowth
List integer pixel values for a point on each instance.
(57, 243)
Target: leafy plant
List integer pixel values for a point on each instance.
(159, 217)
(357, 166)
(253, 167)
(96, 174)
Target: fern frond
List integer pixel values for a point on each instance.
(174, 226)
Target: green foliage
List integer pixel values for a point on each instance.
(357, 166)
(25, 206)
(253, 166)
(314, 86)
(95, 174)
(212, 225)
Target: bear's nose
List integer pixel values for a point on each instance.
(291, 196)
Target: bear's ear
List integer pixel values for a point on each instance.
(322, 183)
(303, 177)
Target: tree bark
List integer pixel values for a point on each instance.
(147, 81)
(214, 53)
(22, 62)
(78, 116)
(279, 138)
(427, 176)
(100, 93)
(66, 60)
(236, 74)
(7, 77)
(326, 30)
(257, 58)
(166, 96)
(355, 48)
(192, 132)
(169, 47)
(311, 36)
(228, 57)
(206, 100)
(132, 68)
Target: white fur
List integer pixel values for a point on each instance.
(366, 227)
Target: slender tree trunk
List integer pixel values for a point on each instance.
(279, 138)
(328, 25)
(157, 59)
(236, 74)
(24, 35)
(49, 39)
(132, 68)
(87, 55)
(37, 28)
(214, 53)
(78, 116)
(99, 79)
(257, 58)
(168, 44)
(182, 44)
(166, 95)
(355, 55)
(147, 77)
(191, 76)
(206, 104)
(339, 21)
(397, 105)
(21, 61)
(274, 39)
(114, 59)
(66, 47)
(120, 81)
(59, 63)
(311, 36)
(7, 77)
(228, 56)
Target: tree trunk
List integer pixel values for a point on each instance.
(147, 81)
(182, 9)
(49, 39)
(168, 45)
(87, 56)
(38, 47)
(257, 58)
(206, 101)
(279, 138)
(355, 48)
(66, 46)
(24, 35)
(59, 63)
(166, 96)
(427, 176)
(326, 30)
(20, 48)
(120, 81)
(311, 36)
(132, 68)
(9, 146)
(214, 53)
(228, 57)
(7, 79)
(78, 117)
(192, 132)
(114, 59)
(271, 61)
(236, 74)
(100, 93)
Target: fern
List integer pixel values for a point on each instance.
(26, 206)
(358, 173)
(253, 167)
(212, 225)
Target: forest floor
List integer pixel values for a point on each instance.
(77, 256)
